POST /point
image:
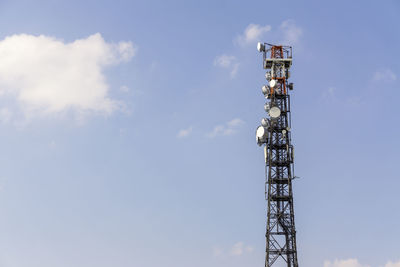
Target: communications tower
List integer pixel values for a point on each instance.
(275, 135)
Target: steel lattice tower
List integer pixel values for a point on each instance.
(275, 135)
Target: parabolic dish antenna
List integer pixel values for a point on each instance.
(260, 132)
(274, 112)
(273, 83)
(265, 122)
(265, 90)
(261, 135)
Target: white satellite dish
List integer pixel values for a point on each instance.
(265, 90)
(274, 112)
(261, 135)
(265, 122)
(260, 132)
(273, 83)
(260, 47)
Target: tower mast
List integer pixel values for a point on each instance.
(275, 135)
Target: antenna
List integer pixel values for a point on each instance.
(275, 135)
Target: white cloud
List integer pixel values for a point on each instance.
(125, 50)
(5, 115)
(217, 251)
(355, 263)
(239, 249)
(329, 94)
(185, 132)
(392, 264)
(45, 76)
(288, 33)
(228, 128)
(354, 101)
(235, 122)
(344, 263)
(124, 88)
(291, 32)
(384, 75)
(234, 70)
(252, 34)
(224, 61)
(249, 249)
(227, 62)
(53, 144)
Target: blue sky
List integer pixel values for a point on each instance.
(127, 132)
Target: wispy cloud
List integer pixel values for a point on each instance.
(45, 76)
(124, 88)
(5, 115)
(329, 93)
(185, 132)
(344, 263)
(227, 62)
(238, 249)
(384, 75)
(217, 251)
(229, 128)
(252, 34)
(224, 61)
(291, 32)
(355, 263)
(392, 264)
